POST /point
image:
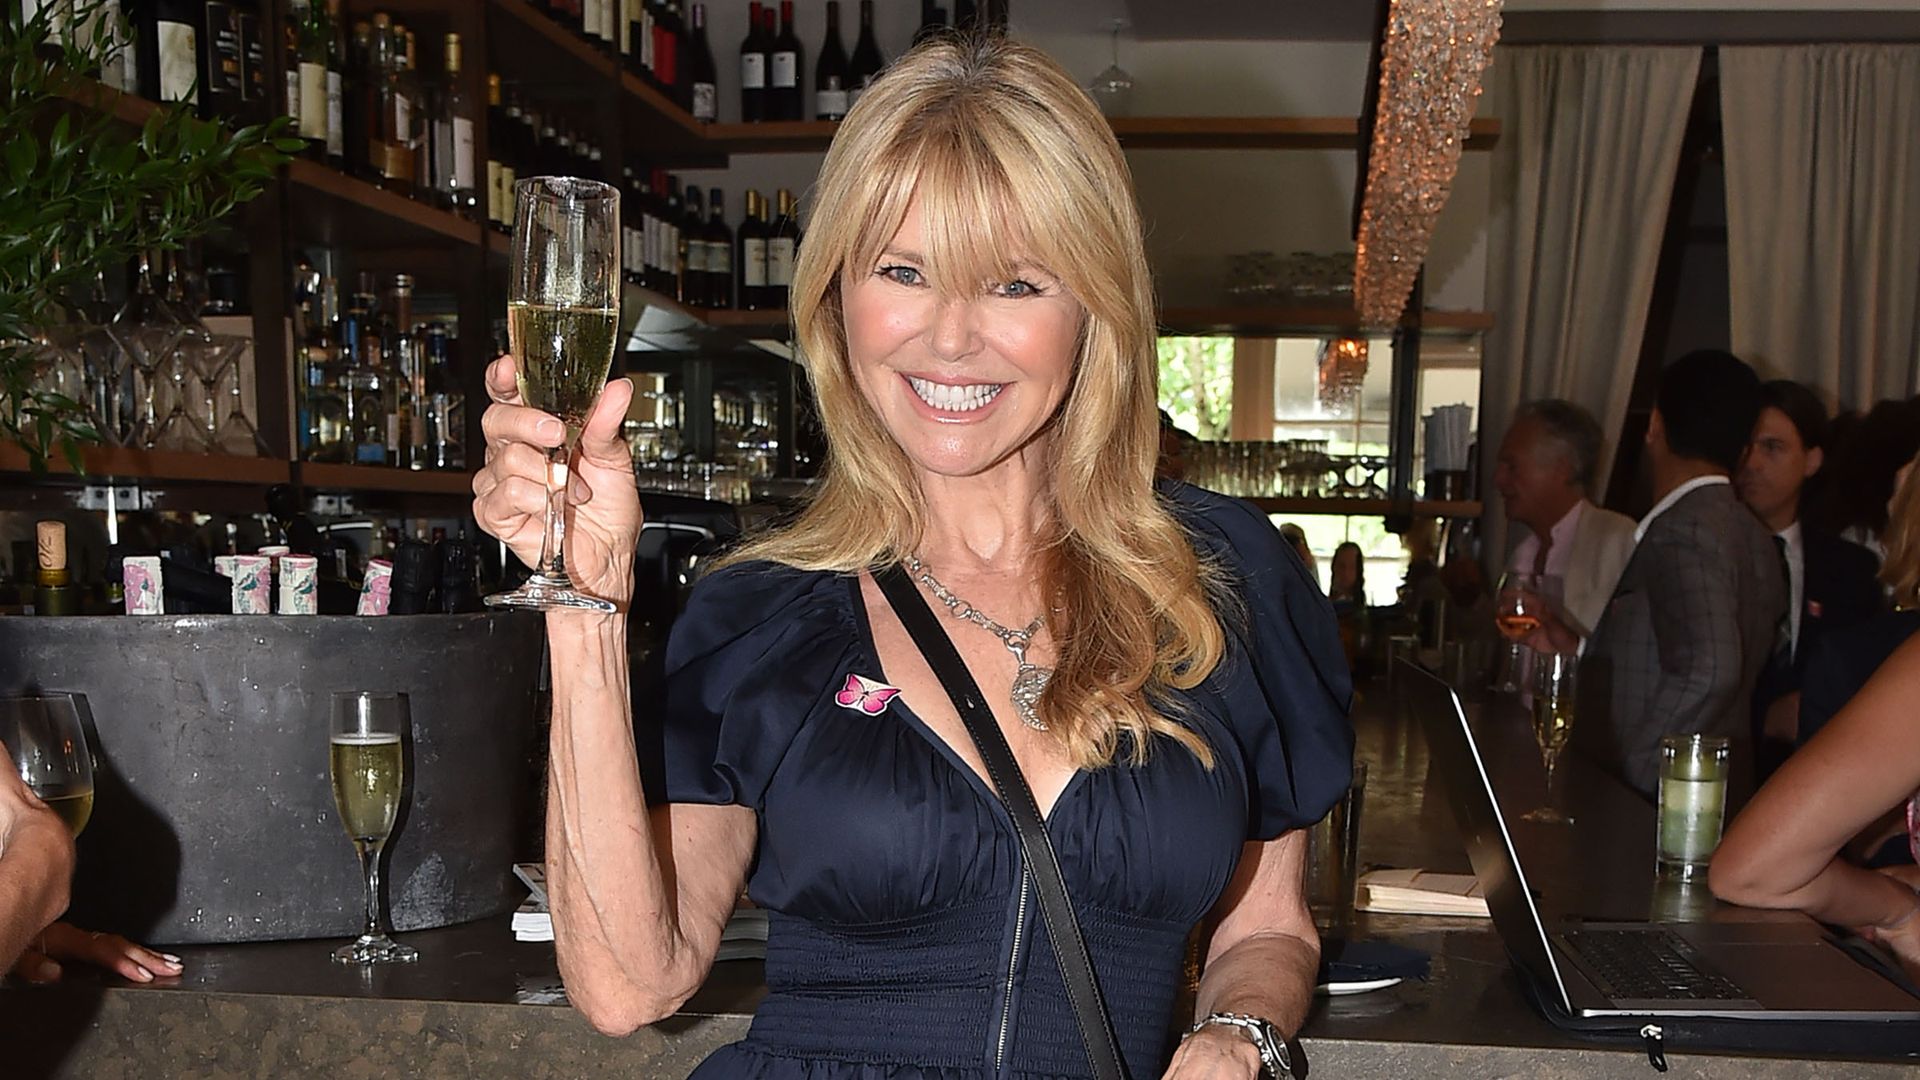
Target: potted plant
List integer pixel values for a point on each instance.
(81, 191)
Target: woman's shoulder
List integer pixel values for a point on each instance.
(1229, 529)
(758, 601)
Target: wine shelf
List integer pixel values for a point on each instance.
(1363, 507)
(333, 209)
(121, 463)
(324, 477)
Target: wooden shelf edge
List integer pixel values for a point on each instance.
(1363, 507)
(335, 184)
(523, 12)
(314, 474)
(169, 466)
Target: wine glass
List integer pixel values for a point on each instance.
(368, 763)
(47, 741)
(1112, 89)
(563, 314)
(1554, 689)
(1524, 599)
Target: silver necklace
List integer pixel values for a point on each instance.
(1029, 680)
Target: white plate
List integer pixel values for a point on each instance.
(1342, 989)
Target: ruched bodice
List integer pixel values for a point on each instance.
(903, 938)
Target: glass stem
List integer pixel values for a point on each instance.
(370, 867)
(553, 562)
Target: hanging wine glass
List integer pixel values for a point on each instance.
(1112, 89)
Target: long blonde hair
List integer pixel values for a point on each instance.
(1900, 571)
(1009, 159)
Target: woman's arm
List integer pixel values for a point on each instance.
(36, 866)
(1782, 851)
(639, 900)
(1262, 959)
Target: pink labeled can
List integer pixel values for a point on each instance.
(299, 585)
(376, 592)
(252, 585)
(145, 592)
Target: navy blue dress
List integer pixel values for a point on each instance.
(903, 938)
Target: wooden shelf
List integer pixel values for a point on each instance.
(379, 478)
(1363, 507)
(549, 40)
(1134, 133)
(333, 209)
(121, 463)
(1252, 321)
(94, 94)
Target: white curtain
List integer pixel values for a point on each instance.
(1823, 214)
(1583, 175)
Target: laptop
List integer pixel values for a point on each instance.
(1774, 970)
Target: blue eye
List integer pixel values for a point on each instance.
(1017, 290)
(901, 275)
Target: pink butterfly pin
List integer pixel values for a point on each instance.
(866, 695)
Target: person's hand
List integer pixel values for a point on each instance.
(603, 511)
(1215, 1052)
(1902, 940)
(65, 943)
(1552, 635)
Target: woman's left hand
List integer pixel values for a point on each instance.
(65, 942)
(1215, 1053)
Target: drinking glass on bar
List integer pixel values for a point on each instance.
(368, 764)
(1524, 598)
(1693, 803)
(47, 743)
(1554, 689)
(563, 314)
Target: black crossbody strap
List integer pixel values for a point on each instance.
(1063, 928)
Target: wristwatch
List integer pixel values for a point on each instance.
(1274, 1061)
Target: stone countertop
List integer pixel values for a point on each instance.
(479, 1004)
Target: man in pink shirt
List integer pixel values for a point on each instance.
(1544, 474)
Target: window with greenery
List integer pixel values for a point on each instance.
(1196, 384)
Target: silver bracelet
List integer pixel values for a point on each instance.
(1274, 1060)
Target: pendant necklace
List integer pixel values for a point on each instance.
(1029, 680)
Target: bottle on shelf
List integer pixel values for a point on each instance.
(413, 160)
(830, 74)
(293, 19)
(501, 125)
(933, 21)
(703, 94)
(668, 38)
(445, 405)
(366, 154)
(223, 58)
(256, 99)
(386, 107)
(751, 254)
(336, 87)
(693, 241)
(53, 591)
(868, 62)
(315, 41)
(672, 264)
(719, 252)
(633, 248)
(753, 69)
(167, 51)
(453, 138)
(785, 63)
(397, 399)
(783, 245)
(635, 49)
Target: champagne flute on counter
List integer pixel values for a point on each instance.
(1554, 689)
(563, 315)
(48, 744)
(1524, 599)
(368, 762)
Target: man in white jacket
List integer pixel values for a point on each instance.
(1545, 475)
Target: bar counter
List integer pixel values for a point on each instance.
(479, 1004)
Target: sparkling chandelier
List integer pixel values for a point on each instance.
(1343, 370)
(1431, 61)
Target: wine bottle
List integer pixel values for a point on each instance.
(453, 138)
(673, 256)
(751, 255)
(366, 154)
(381, 92)
(753, 69)
(830, 75)
(719, 251)
(223, 79)
(445, 407)
(785, 99)
(669, 35)
(316, 39)
(633, 37)
(783, 244)
(702, 91)
(867, 62)
(292, 20)
(933, 21)
(497, 123)
(693, 283)
(336, 87)
(166, 50)
(53, 592)
(255, 105)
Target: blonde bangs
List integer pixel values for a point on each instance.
(1009, 162)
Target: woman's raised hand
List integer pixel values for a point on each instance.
(603, 505)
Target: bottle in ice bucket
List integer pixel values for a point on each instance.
(1693, 803)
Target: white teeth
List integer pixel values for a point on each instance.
(955, 398)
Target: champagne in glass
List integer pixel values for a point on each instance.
(563, 308)
(47, 741)
(1554, 690)
(367, 759)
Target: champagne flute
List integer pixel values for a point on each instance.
(1554, 689)
(1524, 599)
(45, 738)
(369, 771)
(563, 314)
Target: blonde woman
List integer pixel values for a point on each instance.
(975, 310)
(1853, 785)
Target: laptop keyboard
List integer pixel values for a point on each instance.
(1648, 965)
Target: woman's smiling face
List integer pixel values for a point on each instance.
(963, 377)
